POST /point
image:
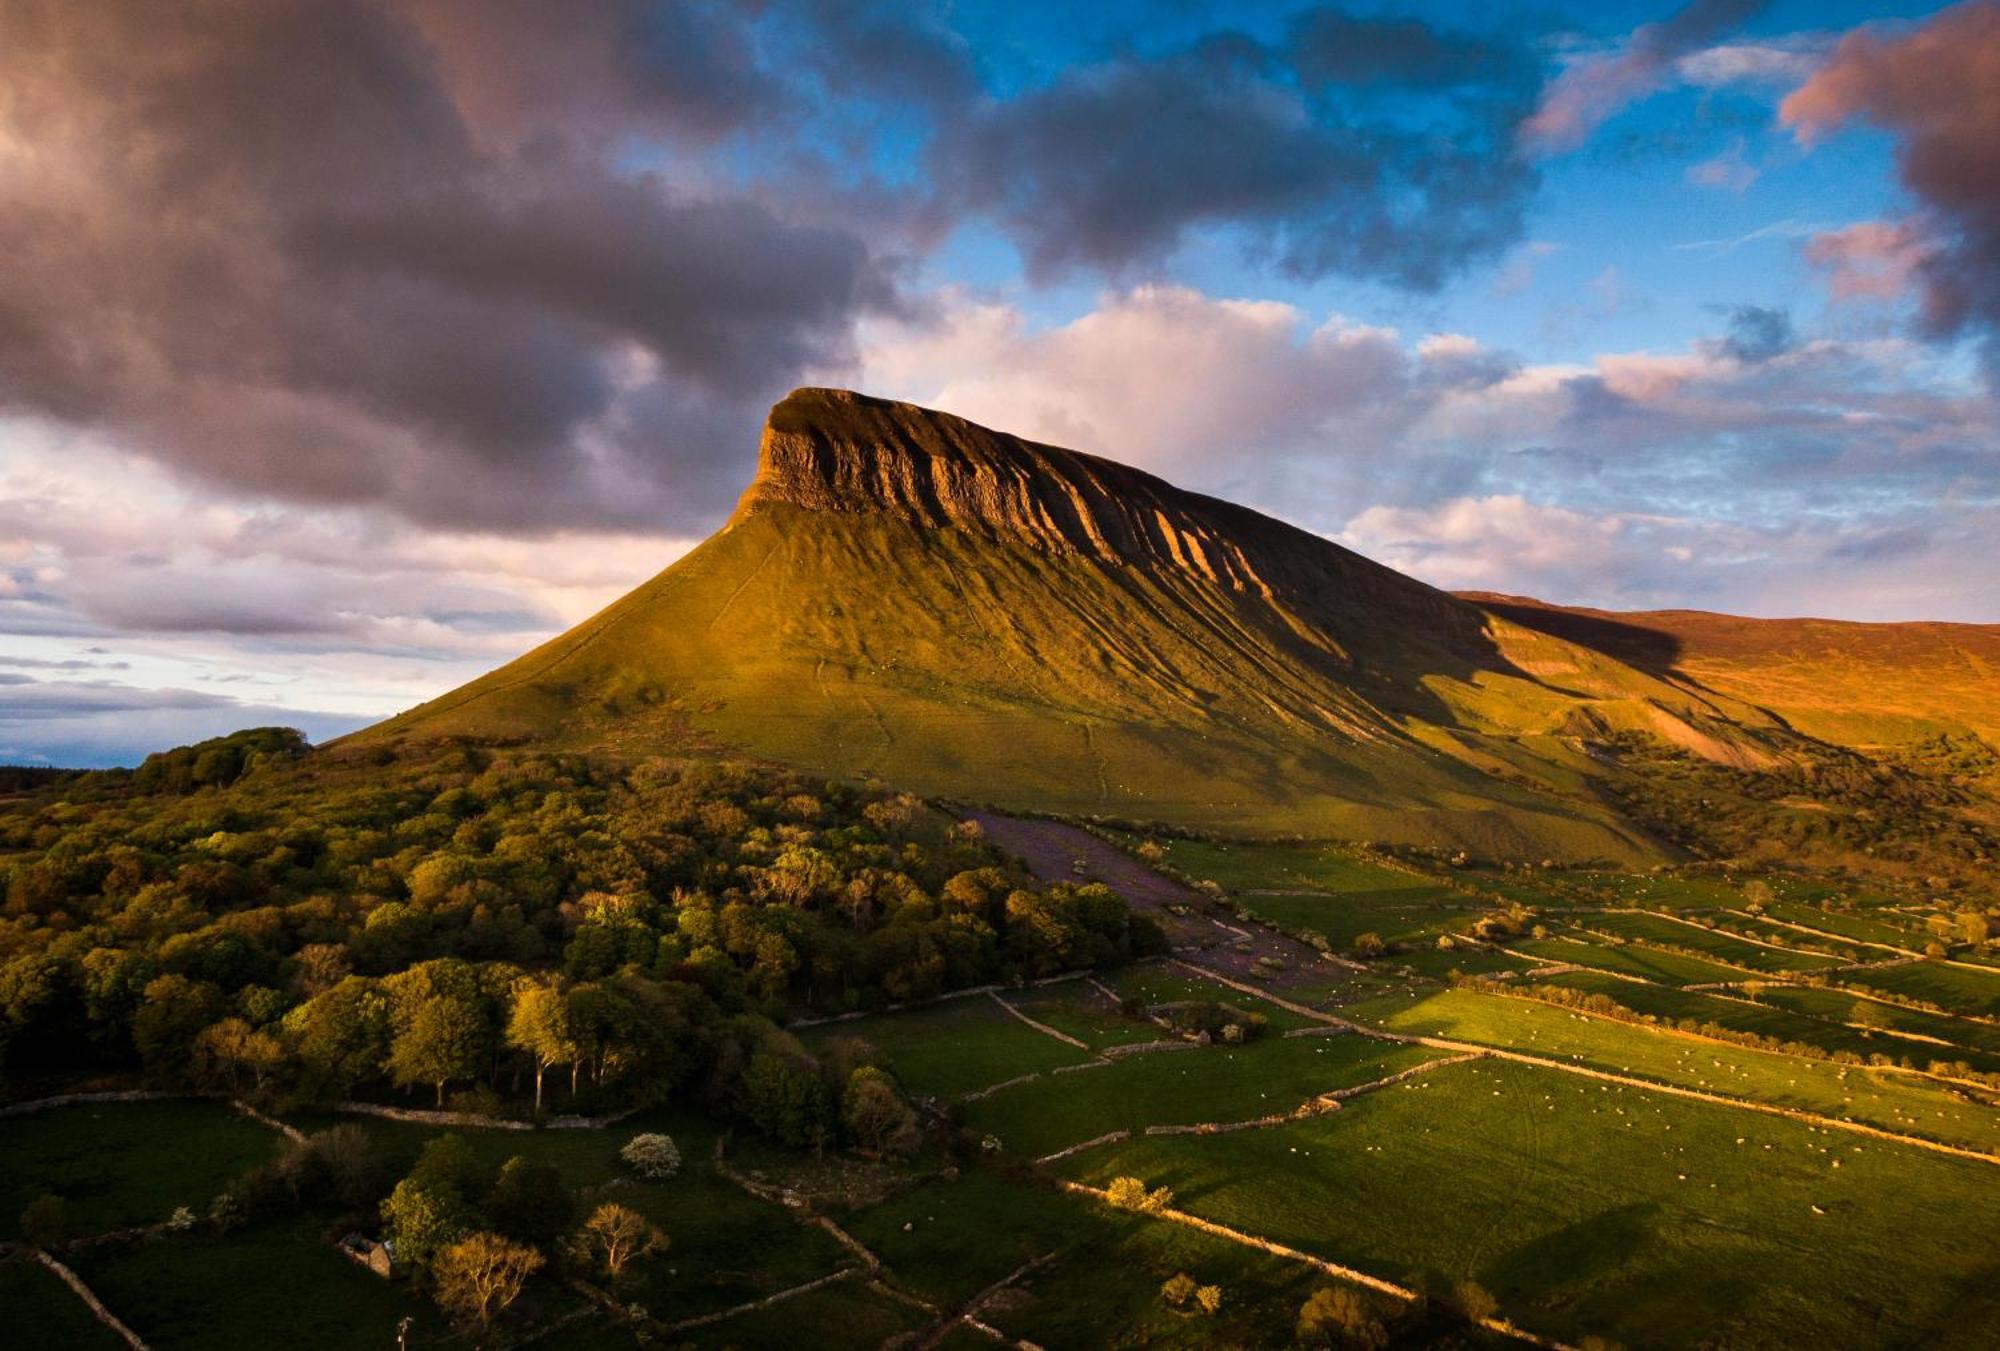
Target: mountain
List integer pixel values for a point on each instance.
(906, 594)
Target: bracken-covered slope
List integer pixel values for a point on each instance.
(903, 593)
(1864, 686)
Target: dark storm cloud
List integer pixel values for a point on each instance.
(1937, 89)
(1113, 164)
(362, 252)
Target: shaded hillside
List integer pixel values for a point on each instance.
(904, 593)
(1860, 685)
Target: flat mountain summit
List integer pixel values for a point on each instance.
(904, 593)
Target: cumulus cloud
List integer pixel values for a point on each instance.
(1936, 88)
(403, 279)
(1114, 165)
(1367, 434)
(1597, 86)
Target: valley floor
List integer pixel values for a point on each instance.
(1492, 1149)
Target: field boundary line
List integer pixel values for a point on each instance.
(1335, 1269)
(1107, 1138)
(1317, 1105)
(965, 1313)
(1726, 933)
(286, 1129)
(722, 1315)
(91, 1301)
(1823, 933)
(1040, 1027)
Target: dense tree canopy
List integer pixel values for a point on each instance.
(457, 921)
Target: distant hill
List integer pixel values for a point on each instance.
(901, 592)
(1861, 685)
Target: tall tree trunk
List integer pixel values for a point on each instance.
(539, 1067)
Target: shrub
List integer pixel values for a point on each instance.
(652, 1156)
(1209, 1297)
(1127, 1193)
(1178, 1289)
(1336, 1316)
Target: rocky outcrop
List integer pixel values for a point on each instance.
(836, 450)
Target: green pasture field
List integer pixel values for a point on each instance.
(1668, 968)
(1826, 1002)
(1340, 919)
(38, 1305)
(848, 1314)
(1898, 1102)
(1591, 1210)
(232, 1291)
(1080, 1010)
(1210, 1083)
(1770, 1019)
(953, 1047)
(1161, 983)
(1102, 1286)
(1858, 925)
(1659, 889)
(1953, 987)
(1806, 942)
(1721, 946)
(119, 1164)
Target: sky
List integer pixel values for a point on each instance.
(349, 348)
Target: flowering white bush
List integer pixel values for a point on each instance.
(652, 1155)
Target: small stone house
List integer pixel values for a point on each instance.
(379, 1258)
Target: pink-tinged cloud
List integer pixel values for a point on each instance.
(1593, 90)
(1871, 259)
(1937, 90)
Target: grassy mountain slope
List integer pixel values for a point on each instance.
(1866, 686)
(904, 593)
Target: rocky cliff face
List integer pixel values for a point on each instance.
(835, 450)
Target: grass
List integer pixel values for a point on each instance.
(1846, 1007)
(36, 1302)
(1657, 930)
(116, 1165)
(844, 1315)
(237, 1290)
(954, 1047)
(1858, 926)
(1158, 983)
(1791, 1022)
(1668, 968)
(1081, 1011)
(1590, 1210)
(1896, 1102)
(948, 1241)
(1213, 1083)
(1952, 987)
